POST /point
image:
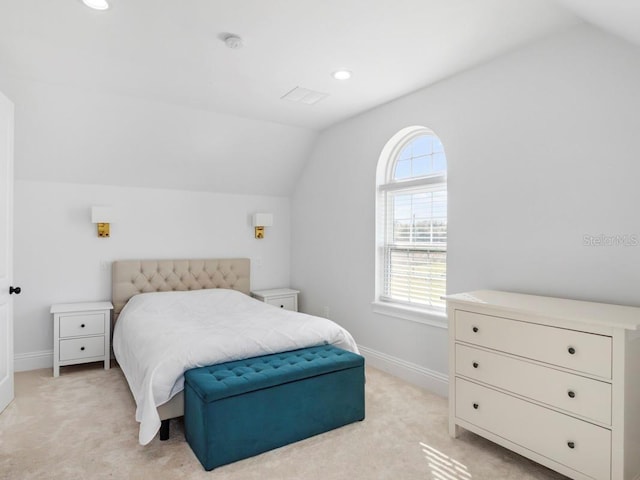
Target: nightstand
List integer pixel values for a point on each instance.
(81, 334)
(280, 297)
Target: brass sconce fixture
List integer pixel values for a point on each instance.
(102, 216)
(261, 220)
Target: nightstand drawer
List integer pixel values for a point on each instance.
(288, 303)
(579, 351)
(76, 348)
(284, 298)
(573, 393)
(81, 325)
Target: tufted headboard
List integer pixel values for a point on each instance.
(130, 277)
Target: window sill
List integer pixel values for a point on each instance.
(426, 317)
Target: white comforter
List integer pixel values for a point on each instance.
(158, 336)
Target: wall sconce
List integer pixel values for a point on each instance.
(103, 216)
(261, 220)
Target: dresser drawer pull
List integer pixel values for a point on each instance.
(476, 364)
(571, 445)
(475, 329)
(571, 350)
(281, 306)
(476, 406)
(571, 394)
(82, 326)
(82, 348)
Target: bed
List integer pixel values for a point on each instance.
(173, 315)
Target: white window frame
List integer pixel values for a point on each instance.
(385, 183)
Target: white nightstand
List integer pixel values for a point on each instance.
(81, 334)
(280, 297)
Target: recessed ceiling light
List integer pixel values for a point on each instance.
(96, 4)
(342, 75)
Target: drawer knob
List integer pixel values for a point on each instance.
(475, 365)
(281, 306)
(571, 445)
(476, 406)
(571, 394)
(571, 350)
(82, 326)
(475, 329)
(82, 348)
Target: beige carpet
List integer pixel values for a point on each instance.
(81, 426)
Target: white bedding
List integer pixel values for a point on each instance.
(158, 336)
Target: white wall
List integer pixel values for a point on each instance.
(542, 146)
(76, 135)
(58, 257)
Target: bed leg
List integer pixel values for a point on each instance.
(164, 430)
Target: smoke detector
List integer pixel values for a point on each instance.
(233, 41)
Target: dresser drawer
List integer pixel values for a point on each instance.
(579, 351)
(77, 348)
(573, 393)
(77, 325)
(546, 432)
(288, 303)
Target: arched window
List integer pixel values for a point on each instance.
(412, 220)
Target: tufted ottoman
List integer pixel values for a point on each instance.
(239, 409)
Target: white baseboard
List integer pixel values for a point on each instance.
(33, 360)
(431, 380)
(423, 377)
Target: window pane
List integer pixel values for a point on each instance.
(439, 162)
(421, 157)
(421, 206)
(402, 206)
(422, 146)
(414, 276)
(421, 166)
(419, 218)
(405, 153)
(401, 231)
(403, 169)
(415, 258)
(439, 207)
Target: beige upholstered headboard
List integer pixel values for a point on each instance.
(131, 277)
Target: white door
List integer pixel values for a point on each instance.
(6, 251)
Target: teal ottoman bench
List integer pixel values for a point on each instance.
(238, 409)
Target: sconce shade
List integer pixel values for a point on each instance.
(102, 215)
(263, 219)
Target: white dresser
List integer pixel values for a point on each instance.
(81, 334)
(555, 380)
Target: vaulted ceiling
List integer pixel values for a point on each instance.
(619, 17)
(172, 51)
(152, 83)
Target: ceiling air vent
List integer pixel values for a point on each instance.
(304, 95)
